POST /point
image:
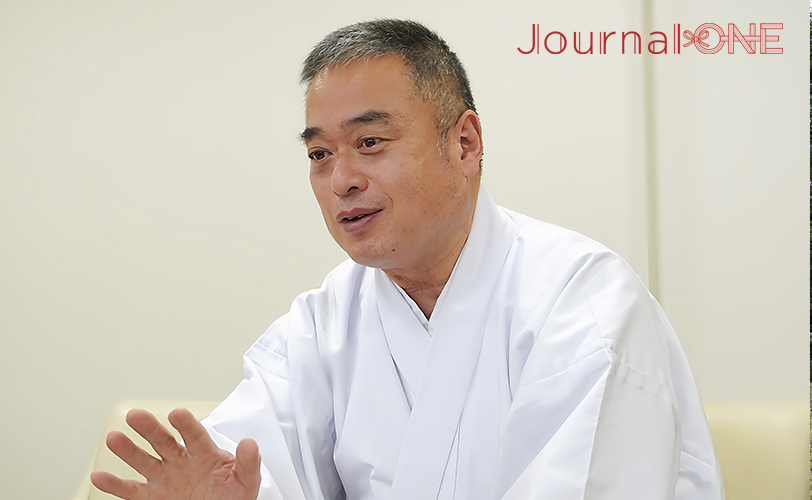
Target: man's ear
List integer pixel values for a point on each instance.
(468, 131)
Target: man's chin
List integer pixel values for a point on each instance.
(377, 258)
(367, 261)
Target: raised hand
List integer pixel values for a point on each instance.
(198, 471)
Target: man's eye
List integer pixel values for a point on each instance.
(369, 143)
(317, 155)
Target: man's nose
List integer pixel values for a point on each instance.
(346, 175)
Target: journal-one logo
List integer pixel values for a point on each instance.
(708, 38)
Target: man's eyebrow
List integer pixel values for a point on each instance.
(309, 133)
(370, 116)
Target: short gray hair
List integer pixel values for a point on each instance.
(436, 71)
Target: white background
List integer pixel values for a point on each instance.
(155, 213)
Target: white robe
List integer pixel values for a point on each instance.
(547, 371)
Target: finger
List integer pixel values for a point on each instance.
(143, 463)
(246, 469)
(194, 435)
(161, 440)
(129, 490)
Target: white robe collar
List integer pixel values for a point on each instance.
(457, 327)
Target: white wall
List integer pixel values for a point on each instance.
(155, 214)
(732, 197)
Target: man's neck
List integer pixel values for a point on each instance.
(424, 286)
(424, 290)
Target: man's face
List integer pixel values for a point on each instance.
(389, 196)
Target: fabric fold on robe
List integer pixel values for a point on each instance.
(546, 371)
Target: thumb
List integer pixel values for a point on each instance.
(246, 469)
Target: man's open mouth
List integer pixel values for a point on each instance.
(354, 215)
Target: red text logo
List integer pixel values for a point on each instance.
(708, 38)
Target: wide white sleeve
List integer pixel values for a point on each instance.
(609, 426)
(619, 442)
(273, 408)
(249, 412)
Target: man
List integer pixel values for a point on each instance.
(466, 351)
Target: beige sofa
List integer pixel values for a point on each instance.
(762, 447)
